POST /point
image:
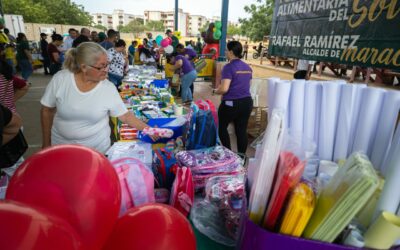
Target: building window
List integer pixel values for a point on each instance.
(99, 17)
(99, 22)
(121, 22)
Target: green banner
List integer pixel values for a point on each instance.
(364, 33)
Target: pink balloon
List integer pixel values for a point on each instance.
(169, 40)
(152, 226)
(23, 227)
(165, 42)
(72, 182)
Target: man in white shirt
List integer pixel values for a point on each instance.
(73, 33)
(303, 69)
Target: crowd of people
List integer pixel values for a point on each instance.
(87, 69)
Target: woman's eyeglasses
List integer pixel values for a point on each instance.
(100, 68)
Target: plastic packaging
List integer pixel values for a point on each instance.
(218, 215)
(209, 162)
(289, 171)
(161, 132)
(267, 160)
(300, 207)
(138, 150)
(345, 195)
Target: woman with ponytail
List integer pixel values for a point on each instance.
(79, 99)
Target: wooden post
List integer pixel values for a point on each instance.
(321, 65)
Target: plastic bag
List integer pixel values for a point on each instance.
(342, 198)
(138, 150)
(289, 171)
(210, 162)
(299, 209)
(265, 166)
(218, 215)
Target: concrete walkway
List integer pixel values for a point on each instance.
(29, 109)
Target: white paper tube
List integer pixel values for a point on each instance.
(348, 109)
(281, 99)
(390, 197)
(385, 130)
(328, 119)
(271, 94)
(296, 106)
(371, 106)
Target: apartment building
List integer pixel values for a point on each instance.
(105, 20)
(196, 22)
(168, 17)
(112, 21)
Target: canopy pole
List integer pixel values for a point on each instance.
(176, 15)
(224, 28)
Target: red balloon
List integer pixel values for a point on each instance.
(72, 182)
(28, 228)
(150, 227)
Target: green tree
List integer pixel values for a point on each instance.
(101, 27)
(135, 26)
(233, 30)
(155, 25)
(205, 27)
(259, 24)
(48, 11)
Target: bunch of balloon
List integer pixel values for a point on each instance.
(68, 198)
(71, 191)
(211, 37)
(166, 43)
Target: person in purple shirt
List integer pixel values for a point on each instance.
(189, 54)
(237, 104)
(187, 72)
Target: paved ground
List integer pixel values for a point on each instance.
(29, 109)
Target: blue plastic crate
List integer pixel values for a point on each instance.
(160, 83)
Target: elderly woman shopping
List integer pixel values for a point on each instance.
(78, 101)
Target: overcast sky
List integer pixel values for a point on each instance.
(206, 8)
